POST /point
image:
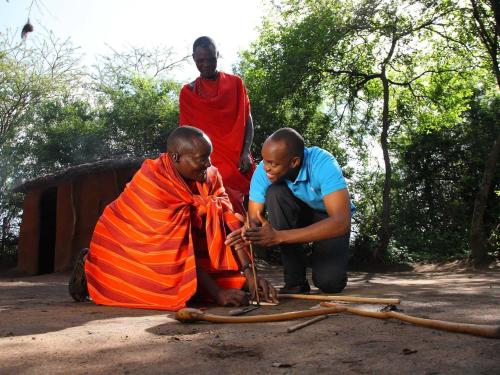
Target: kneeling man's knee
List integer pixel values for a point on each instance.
(330, 284)
(276, 192)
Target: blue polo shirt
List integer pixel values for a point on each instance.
(319, 175)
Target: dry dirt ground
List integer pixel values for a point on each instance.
(43, 331)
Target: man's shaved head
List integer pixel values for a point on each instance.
(183, 139)
(190, 149)
(282, 155)
(204, 42)
(292, 139)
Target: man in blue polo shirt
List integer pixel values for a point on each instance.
(306, 198)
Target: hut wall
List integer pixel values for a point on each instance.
(65, 226)
(91, 194)
(29, 233)
(80, 203)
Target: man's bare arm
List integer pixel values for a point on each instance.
(245, 163)
(249, 133)
(336, 224)
(235, 240)
(223, 297)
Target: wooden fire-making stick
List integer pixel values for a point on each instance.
(483, 330)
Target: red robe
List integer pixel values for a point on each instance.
(143, 248)
(221, 108)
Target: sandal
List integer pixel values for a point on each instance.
(78, 282)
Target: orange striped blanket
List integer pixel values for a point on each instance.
(147, 243)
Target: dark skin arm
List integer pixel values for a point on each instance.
(245, 163)
(262, 233)
(236, 297)
(266, 290)
(223, 297)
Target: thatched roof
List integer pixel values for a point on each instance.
(77, 171)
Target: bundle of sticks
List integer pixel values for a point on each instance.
(330, 305)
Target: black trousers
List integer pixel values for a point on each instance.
(329, 257)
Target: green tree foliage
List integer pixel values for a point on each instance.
(51, 119)
(138, 115)
(351, 56)
(401, 89)
(64, 132)
(128, 115)
(137, 98)
(439, 171)
(282, 91)
(486, 20)
(28, 74)
(400, 71)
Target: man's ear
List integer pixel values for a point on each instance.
(175, 156)
(295, 162)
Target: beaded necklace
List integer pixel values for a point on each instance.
(206, 94)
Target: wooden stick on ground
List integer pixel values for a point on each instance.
(491, 331)
(298, 326)
(319, 297)
(190, 315)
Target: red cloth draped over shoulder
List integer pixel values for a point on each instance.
(220, 108)
(142, 252)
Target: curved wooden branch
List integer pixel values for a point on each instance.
(319, 297)
(491, 331)
(189, 315)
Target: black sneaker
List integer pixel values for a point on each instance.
(299, 289)
(78, 282)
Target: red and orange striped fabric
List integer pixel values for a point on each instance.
(221, 108)
(142, 252)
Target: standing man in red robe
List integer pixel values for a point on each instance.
(218, 104)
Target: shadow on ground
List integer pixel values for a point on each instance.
(43, 331)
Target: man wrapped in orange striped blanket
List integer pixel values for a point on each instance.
(162, 240)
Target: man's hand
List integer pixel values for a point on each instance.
(235, 239)
(266, 289)
(245, 162)
(265, 235)
(231, 297)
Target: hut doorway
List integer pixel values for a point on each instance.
(47, 243)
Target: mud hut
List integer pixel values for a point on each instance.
(60, 211)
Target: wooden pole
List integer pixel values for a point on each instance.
(190, 315)
(319, 297)
(306, 323)
(491, 331)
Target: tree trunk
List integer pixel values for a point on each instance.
(495, 5)
(478, 239)
(384, 231)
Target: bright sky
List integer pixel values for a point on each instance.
(95, 24)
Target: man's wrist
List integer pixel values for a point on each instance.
(245, 268)
(280, 236)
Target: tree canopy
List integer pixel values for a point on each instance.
(405, 94)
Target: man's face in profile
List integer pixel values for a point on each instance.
(192, 162)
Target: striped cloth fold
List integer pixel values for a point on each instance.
(222, 114)
(146, 244)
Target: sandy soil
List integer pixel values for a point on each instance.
(43, 331)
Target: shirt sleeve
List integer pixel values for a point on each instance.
(259, 185)
(330, 175)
